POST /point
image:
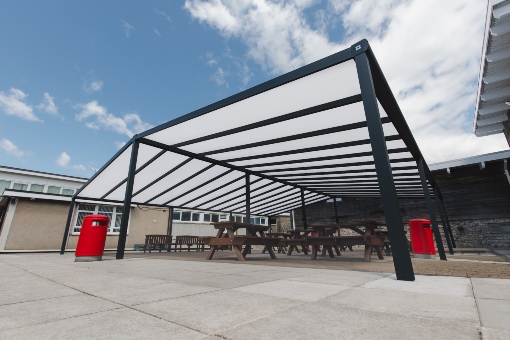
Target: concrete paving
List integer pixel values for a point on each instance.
(49, 296)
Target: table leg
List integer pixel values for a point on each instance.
(379, 252)
(337, 250)
(290, 250)
(368, 253)
(314, 252)
(330, 251)
(323, 254)
(238, 253)
(305, 250)
(211, 253)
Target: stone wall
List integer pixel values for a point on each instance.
(470, 233)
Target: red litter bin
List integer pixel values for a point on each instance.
(422, 241)
(92, 238)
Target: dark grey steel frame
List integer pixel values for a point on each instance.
(373, 87)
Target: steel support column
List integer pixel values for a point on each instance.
(170, 221)
(398, 240)
(443, 221)
(432, 214)
(337, 220)
(68, 226)
(121, 245)
(292, 226)
(247, 214)
(448, 223)
(303, 209)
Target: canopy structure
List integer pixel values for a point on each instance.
(327, 130)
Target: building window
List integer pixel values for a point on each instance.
(20, 186)
(36, 187)
(4, 185)
(207, 217)
(67, 192)
(53, 190)
(195, 217)
(176, 216)
(113, 212)
(499, 228)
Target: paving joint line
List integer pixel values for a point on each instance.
(117, 303)
(477, 309)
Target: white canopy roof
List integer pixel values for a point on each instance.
(305, 130)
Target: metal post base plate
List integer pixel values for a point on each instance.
(424, 256)
(87, 258)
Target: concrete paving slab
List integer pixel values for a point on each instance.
(408, 304)
(490, 281)
(327, 321)
(47, 291)
(336, 279)
(151, 293)
(492, 292)
(8, 282)
(296, 290)
(443, 285)
(224, 281)
(271, 274)
(121, 323)
(106, 282)
(219, 310)
(495, 334)
(494, 313)
(41, 311)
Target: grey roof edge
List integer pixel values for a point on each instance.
(40, 173)
(494, 156)
(483, 59)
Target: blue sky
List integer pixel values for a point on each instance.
(77, 79)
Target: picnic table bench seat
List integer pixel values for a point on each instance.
(193, 242)
(153, 242)
(239, 240)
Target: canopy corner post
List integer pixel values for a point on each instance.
(432, 214)
(448, 223)
(303, 209)
(337, 220)
(248, 213)
(127, 201)
(170, 221)
(68, 226)
(398, 240)
(443, 221)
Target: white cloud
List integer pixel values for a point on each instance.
(91, 86)
(48, 105)
(119, 144)
(157, 32)
(13, 104)
(10, 148)
(97, 117)
(429, 51)
(163, 13)
(80, 167)
(127, 27)
(63, 160)
(219, 77)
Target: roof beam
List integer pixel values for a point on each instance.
(278, 119)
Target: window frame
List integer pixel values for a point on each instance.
(53, 186)
(96, 211)
(42, 190)
(62, 191)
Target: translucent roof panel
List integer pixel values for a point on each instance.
(301, 135)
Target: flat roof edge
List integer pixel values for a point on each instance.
(494, 156)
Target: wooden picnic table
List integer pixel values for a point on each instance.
(282, 236)
(256, 237)
(367, 237)
(298, 239)
(325, 230)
